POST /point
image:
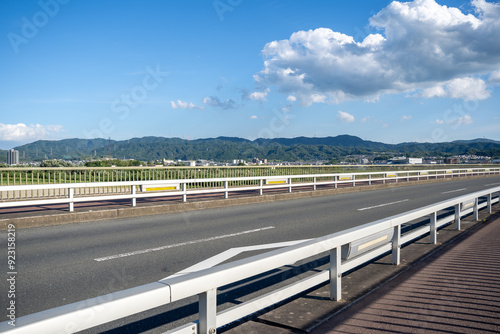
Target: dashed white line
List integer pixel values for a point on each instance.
(492, 184)
(453, 191)
(149, 250)
(381, 205)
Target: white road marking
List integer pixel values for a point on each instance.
(453, 191)
(149, 250)
(381, 205)
(226, 255)
(492, 184)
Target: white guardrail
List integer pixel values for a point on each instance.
(164, 188)
(204, 283)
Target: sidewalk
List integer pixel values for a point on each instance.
(455, 290)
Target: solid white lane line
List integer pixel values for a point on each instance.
(453, 191)
(381, 205)
(149, 250)
(492, 184)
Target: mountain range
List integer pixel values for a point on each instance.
(229, 148)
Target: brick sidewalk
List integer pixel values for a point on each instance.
(455, 290)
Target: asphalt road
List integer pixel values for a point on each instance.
(62, 264)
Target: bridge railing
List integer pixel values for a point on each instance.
(91, 191)
(204, 283)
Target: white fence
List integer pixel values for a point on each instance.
(93, 312)
(185, 187)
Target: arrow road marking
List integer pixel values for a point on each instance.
(226, 255)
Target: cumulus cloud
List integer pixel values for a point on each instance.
(468, 89)
(22, 132)
(291, 98)
(184, 105)
(422, 47)
(345, 117)
(214, 101)
(259, 96)
(495, 77)
(462, 120)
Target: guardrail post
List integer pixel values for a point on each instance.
(335, 181)
(489, 203)
(407, 177)
(184, 194)
(396, 245)
(132, 190)
(434, 228)
(354, 180)
(261, 187)
(476, 209)
(335, 274)
(396, 177)
(289, 185)
(314, 183)
(208, 312)
(457, 217)
(369, 179)
(226, 187)
(71, 192)
(383, 178)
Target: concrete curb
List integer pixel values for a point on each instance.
(102, 214)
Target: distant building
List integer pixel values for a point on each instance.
(405, 161)
(13, 157)
(413, 161)
(451, 161)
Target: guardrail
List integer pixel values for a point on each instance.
(185, 187)
(97, 311)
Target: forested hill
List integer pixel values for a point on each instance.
(229, 148)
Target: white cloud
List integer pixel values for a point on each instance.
(462, 120)
(253, 117)
(364, 119)
(184, 105)
(466, 119)
(214, 101)
(291, 98)
(495, 77)
(345, 117)
(422, 46)
(406, 117)
(22, 132)
(259, 96)
(468, 89)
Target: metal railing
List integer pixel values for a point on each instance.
(58, 175)
(204, 283)
(83, 191)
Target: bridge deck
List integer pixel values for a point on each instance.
(455, 290)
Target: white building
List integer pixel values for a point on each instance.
(413, 161)
(13, 157)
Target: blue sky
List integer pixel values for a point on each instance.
(385, 71)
